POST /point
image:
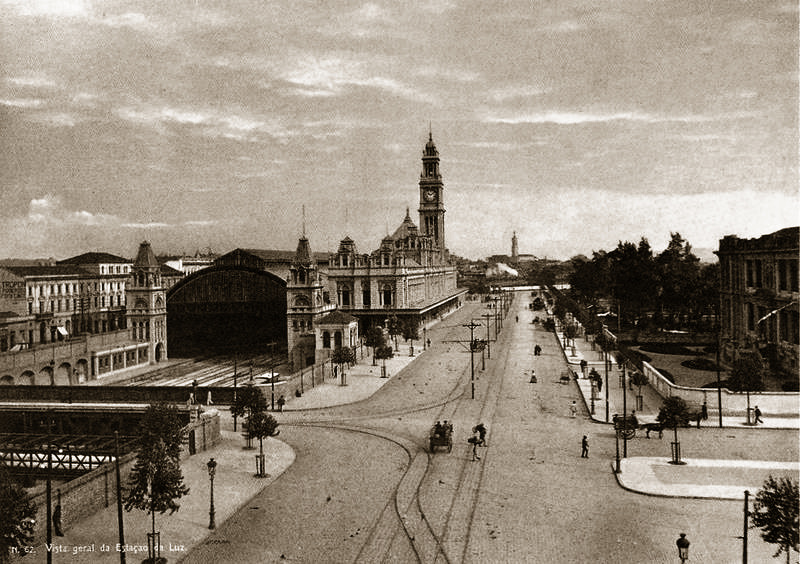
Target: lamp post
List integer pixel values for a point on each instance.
(683, 547)
(212, 469)
(624, 410)
(235, 375)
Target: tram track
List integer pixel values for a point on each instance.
(404, 524)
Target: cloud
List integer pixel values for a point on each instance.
(518, 91)
(578, 117)
(49, 8)
(214, 123)
(22, 102)
(31, 82)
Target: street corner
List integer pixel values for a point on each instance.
(698, 478)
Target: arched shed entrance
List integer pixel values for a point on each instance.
(226, 308)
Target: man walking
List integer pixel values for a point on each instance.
(584, 447)
(573, 409)
(757, 413)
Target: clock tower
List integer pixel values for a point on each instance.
(431, 204)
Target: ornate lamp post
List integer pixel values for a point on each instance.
(683, 547)
(212, 469)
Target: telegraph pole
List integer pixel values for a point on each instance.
(472, 325)
(487, 316)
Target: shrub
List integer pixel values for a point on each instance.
(791, 386)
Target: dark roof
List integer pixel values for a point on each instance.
(95, 258)
(783, 239)
(406, 228)
(269, 255)
(57, 270)
(303, 253)
(336, 317)
(146, 258)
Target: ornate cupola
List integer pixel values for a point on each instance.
(306, 300)
(146, 305)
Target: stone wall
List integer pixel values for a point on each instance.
(97, 490)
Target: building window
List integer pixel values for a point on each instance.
(326, 340)
(344, 296)
(366, 297)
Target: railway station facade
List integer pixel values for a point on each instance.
(98, 315)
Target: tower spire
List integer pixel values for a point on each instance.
(304, 221)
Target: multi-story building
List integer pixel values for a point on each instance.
(67, 323)
(410, 274)
(759, 296)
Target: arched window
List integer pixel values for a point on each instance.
(344, 295)
(326, 340)
(387, 295)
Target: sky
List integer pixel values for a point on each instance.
(209, 124)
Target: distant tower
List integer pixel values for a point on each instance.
(431, 196)
(146, 303)
(514, 249)
(306, 300)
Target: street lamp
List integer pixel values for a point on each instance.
(212, 469)
(683, 547)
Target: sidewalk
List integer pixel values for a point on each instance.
(96, 539)
(651, 400)
(696, 479)
(361, 381)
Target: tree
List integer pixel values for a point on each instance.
(747, 376)
(156, 481)
(775, 512)
(374, 338)
(678, 272)
(17, 515)
(382, 353)
(249, 400)
(410, 331)
(674, 412)
(394, 328)
(341, 356)
(260, 425)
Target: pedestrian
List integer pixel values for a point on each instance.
(757, 413)
(429, 343)
(281, 401)
(704, 410)
(584, 364)
(57, 521)
(208, 399)
(473, 440)
(517, 319)
(584, 447)
(573, 409)
(480, 428)
(533, 376)
(599, 384)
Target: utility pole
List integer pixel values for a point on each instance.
(472, 325)
(487, 316)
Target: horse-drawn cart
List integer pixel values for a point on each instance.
(441, 436)
(626, 426)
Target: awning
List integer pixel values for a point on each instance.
(62, 331)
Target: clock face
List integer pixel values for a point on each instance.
(430, 195)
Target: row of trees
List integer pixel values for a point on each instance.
(673, 284)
